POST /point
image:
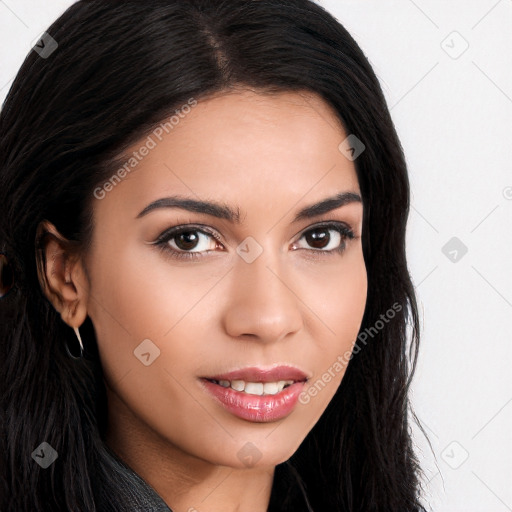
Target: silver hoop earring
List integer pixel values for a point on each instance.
(77, 332)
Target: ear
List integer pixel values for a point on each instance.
(61, 274)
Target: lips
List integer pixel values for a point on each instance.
(257, 394)
(255, 374)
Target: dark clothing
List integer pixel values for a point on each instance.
(134, 494)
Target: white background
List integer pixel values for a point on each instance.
(452, 108)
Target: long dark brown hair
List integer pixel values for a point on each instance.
(119, 69)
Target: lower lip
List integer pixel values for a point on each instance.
(254, 407)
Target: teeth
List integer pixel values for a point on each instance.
(238, 385)
(256, 388)
(271, 388)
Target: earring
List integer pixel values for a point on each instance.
(77, 332)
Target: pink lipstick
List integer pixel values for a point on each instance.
(257, 394)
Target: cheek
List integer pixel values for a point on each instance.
(134, 296)
(338, 297)
(125, 307)
(346, 300)
(339, 302)
(139, 303)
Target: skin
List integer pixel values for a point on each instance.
(270, 156)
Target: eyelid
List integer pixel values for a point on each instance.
(205, 229)
(167, 234)
(327, 224)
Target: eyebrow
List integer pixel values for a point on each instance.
(223, 211)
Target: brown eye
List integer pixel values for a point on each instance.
(318, 238)
(183, 242)
(326, 239)
(186, 240)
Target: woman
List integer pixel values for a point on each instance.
(205, 295)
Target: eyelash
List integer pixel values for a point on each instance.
(162, 241)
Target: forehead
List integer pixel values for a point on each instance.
(243, 146)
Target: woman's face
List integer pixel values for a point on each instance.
(267, 288)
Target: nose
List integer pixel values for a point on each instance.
(262, 304)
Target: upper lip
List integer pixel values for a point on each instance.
(255, 374)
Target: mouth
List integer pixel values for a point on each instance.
(255, 388)
(256, 394)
